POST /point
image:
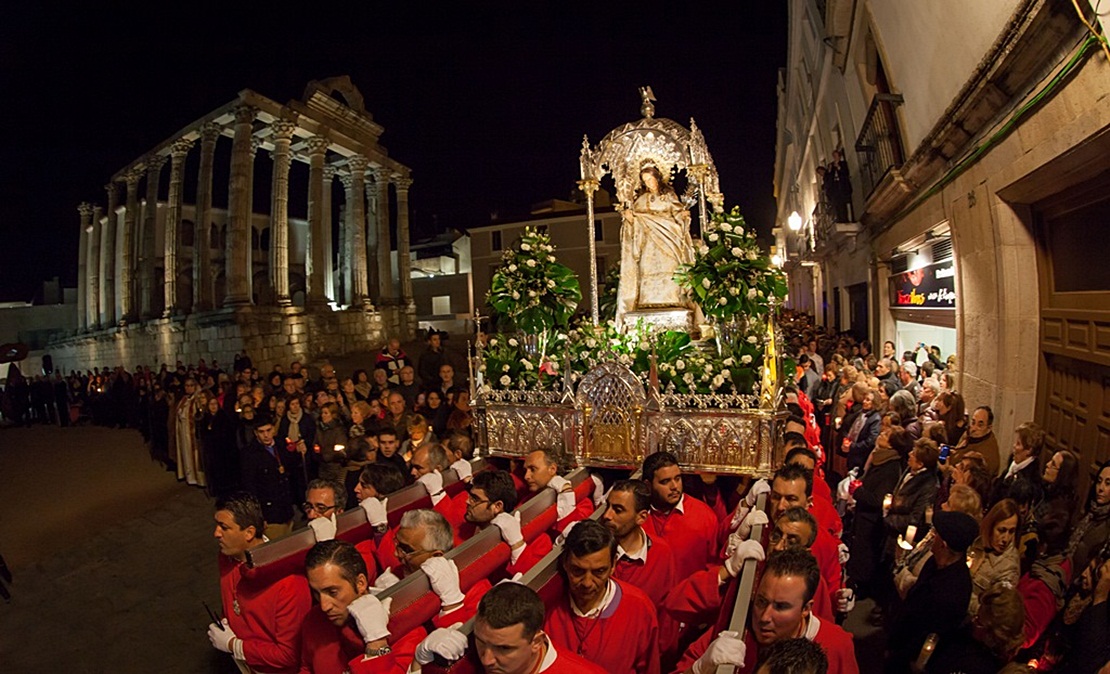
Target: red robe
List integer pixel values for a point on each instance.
(1040, 604)
(691, 532)
(624, 639)
(832, 639)
(453, 509)
(826, 515)
(656, 576)
(327, 649)
(269, 617)
(569, 663)
(826, 551)
(582, 510)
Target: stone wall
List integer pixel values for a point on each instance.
(268, 334)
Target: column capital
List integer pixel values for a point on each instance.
(85, 209)
(244, 114)
(133, 176)
(154, 163)
(357, 162)
(210, 132)
(329, 173)
(378, 174)
(283, 129)
(255, 144)
(317, 145)
(346, 179)
(180, 147)
(110, 189)
(402, 182)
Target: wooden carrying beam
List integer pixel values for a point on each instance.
(544, 578)
(479, 558)
(283, 557)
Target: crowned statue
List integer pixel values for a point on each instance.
(643, 157)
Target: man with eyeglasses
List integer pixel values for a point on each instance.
(324, 501)
(261, 627)
(428, 463)
(421, 541)
(492, 501)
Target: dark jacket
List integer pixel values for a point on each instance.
(267, 476)
(868, 534)
(1002, 484)
(936, 604)
(865, 441)
(908, 505)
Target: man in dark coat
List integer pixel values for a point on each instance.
(937, 603)
(266, 475)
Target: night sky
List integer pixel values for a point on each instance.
(486, 102)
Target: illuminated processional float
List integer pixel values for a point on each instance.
(687, 357)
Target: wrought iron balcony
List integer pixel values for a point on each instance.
(879, 146)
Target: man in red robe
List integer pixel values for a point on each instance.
(687, 524)
(492, 501)
(541, 471)
(263, 621)
(427, 466)
(508, 638)
(781, 609)
(643, 561)
(374, 485)
(606, 621)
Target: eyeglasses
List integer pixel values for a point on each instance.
(403, 550)
(474, 500)
(318, 507)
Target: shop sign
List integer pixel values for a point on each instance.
(930, 287)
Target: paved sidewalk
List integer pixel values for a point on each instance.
(112, 557)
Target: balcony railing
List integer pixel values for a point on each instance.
(879, 146)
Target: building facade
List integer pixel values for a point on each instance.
(976, 140)
(161, 280)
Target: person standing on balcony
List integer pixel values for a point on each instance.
(841, 194)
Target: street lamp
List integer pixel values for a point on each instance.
(794, 221)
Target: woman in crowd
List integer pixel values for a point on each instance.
(950, 406)
(435, 412)
(1061, 486)
(361, 444)
(363, 385)
(348, 392)
(221, 455)
(852, 403)
(880, 477)
(1092, 531)
(461, 417)
(903, 404)
(993, 556)
(331, 444)
(419, 433)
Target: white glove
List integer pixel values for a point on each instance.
(599, 491)
(561, 539)
(727, 649)
(845, 600)
(323, 527)
(463, 469)
(753, 518)
(565, 503)
(446, 642)
(375, 511)
(433, 482)
(510, 533)
(385, 580)
(742, 511)
(559, 484)
(842, 552)
(221, 639)
(371, 617)
(444, 578)
(760, 487)
(741, 551)
(515, 579)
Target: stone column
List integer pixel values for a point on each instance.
(372, 234)
(202, 251)
(404, 258)
(125, 279)
(329, 258)
(385, 264)
(357, 204)
(318, 228)
(238, 255)
(345, 297)
(178, 152)
(108, 261)
(85, 210)
(279, 211)
(92, 295)
(154, 164)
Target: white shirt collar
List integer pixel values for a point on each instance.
(1016, 467)
(610, 592)
(813, 627)
(678, 506)
(641, 554)
(550, 656)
